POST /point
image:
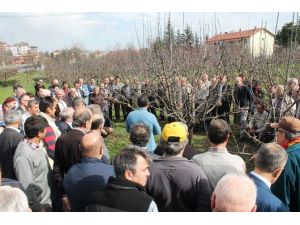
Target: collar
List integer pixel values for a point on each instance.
(49, 118)
(90, 159)
(34, 146)
(80, 129)
(13, 128)
(142, 108)
(218, 149)
(268, 183)
(121, 183)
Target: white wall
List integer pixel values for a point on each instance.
(261, 43)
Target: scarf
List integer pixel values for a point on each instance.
(293, 141)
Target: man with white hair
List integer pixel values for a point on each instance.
(234, 193)
(59, 93)
(64, 124)
(13, 200)
(9, 140)
(292, 85)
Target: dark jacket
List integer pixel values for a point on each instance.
(63, 126)
(243, 96)
(9, 140)
(178, 185)
(119, 196)
(265, 200)
(86, 177)
(67, 154)
(287, 187)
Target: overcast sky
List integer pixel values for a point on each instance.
(106, 31)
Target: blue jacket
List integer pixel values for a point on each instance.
(266, 201)
(287, 187)
(85, 177)
(141, 115)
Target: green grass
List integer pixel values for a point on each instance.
(120, 139)
(26, 80)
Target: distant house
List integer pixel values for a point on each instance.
(4, 47)
(259, 41)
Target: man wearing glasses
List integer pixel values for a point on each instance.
(287, 187)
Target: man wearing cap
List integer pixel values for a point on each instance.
(176, 183)
(287, 187)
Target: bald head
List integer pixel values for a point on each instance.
(234, 193)
(92, 145)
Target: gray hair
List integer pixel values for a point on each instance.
(235, 193)
(293, 80)
(32, 103)
(126, 159)
(270, 157)
(66, 113)
(81, 116)
(76, 101)
(13, 200)
(95, 109)
(13, 116)
(173, 148)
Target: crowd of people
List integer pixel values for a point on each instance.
(53, 154)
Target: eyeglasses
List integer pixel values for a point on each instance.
(279, 130)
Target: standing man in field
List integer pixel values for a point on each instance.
(141, 115)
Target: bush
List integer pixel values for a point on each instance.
(6, 83)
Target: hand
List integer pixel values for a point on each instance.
(66, 204)
(103, 132)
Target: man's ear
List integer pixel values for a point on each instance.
(276, 174)
(213, 201)
(128, 175)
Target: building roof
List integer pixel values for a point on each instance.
(235, 36)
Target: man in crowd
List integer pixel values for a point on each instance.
(234, 193)
(64, 123)
(126, 192)
(243, 99)
(33, 110)
(177, 184)
(67, 152)
(47, 107)
(9, 140)
(218, 161)
(23, 104)
(116, 94)
(287, 187)
(88, 175)
(269, 163)
(85, 90)
(258, 121)
(141, 115)
(31, 165)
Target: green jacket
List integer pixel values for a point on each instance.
(287, 187)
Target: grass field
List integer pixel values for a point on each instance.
(120, 138)
(26, 80)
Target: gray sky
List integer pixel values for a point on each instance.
(108, 30)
